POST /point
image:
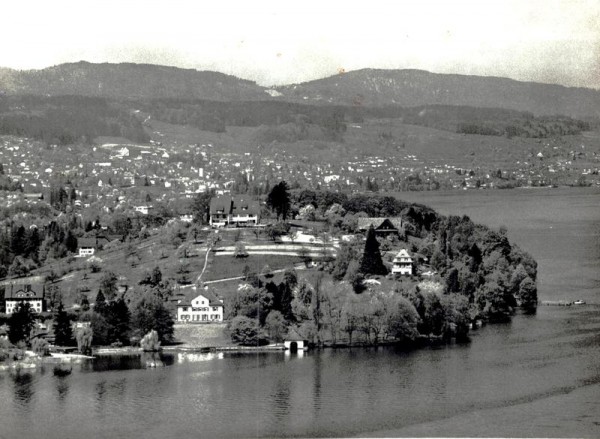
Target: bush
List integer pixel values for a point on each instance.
(40, 347)
(95, 267)
(150, 342)
(244, 330)
(84, 340)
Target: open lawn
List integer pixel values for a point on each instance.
(223, 267)
(202, 335)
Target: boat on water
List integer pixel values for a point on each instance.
(579, 302)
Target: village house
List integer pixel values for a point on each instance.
(233, 211)
(382, 226)
(200, 307)
(403, 264)
(88, 246)
(25, 290)
(144, 210)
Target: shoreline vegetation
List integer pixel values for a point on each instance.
(460, 274)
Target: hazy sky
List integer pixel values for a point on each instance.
(273, 42)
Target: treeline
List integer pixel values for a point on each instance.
(533, 128)
(123, 319)
(64, 120)
(291, 122)
(24, 249)
(216, 115)
(112, 319)
(328, 312)
(338, 208)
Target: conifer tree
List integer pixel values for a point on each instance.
(62, 327)
(118, 319)
(279, 200)
(20, 323)
(100, 304)
(371, 262)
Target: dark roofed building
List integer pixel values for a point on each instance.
(227, 210)
(382, 226)
(27, 289)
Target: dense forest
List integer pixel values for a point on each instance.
(66, 120)
(69, 119)
(294, 121)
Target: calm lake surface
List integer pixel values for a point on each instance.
(536, 376)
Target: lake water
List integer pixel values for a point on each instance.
(536, 376)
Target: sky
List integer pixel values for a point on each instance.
(276, 42)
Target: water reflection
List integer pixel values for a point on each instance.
(62, 388)
(151, 359)
(104, 363)
(192, 357)
(23, 387)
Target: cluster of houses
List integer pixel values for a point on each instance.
(197, 307)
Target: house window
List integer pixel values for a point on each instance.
(215, 308)
(185, 309)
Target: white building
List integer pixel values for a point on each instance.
(144, 210)
(200, 307)
(403, 263)
(233, 211)
(18, 291)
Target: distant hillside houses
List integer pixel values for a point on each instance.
(235, 211)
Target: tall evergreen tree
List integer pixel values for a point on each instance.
(278, 200)
(20, 323)
(118, 319)
(17, 241)
(100, 304)
(150, 314)
(371, 262)
(32, 243)
(62, 327)
(71, 242)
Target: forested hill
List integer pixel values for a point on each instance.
(128, 80)
(409, 88)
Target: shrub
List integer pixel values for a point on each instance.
(95, 267)
(150, 342)
(84, 340)
(40, 347)
(244, 330)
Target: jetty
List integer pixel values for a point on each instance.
(556, 303)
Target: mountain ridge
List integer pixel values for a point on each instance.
(364, 87)
(412, 87)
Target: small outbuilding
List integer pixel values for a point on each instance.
(294, 342)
